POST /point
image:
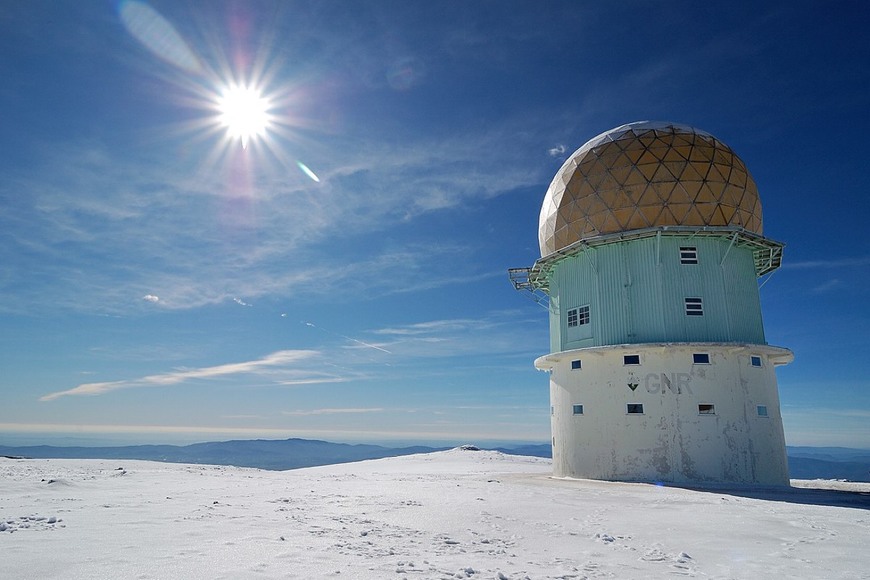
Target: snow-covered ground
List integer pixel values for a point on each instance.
(454, 514)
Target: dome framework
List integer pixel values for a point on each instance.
(647, 175)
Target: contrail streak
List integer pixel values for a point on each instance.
(311, 324)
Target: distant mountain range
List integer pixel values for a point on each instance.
(260, 453)
(803, 462)
(829, 463)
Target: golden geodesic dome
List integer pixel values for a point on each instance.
(646, 175)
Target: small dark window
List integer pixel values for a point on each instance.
(576, 365)
(701, 358)
(572, 318)
(578, 409)
(706, 409)
(694, 307)
(762, 410)
(634, 409)
(583, 315)
(631, 359)
(688, 255)
(755, 361)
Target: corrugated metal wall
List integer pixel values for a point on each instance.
(636, 291)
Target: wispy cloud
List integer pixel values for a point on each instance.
(853, 262)
(487, 321)
(493, 333)
(816, 412)
(557, 151)
(846, 427)
(354, 340)
(185, 237)
(826, 286)
(276, 359)
(313, 381)
(433, 326)
(337, 411)
(242, 417)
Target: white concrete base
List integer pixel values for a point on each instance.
(699, 422)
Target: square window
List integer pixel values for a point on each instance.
(706, 409)
(572, 318)
(576, 365)
(578, 316)
(694, 307)
(688, 255)
(578, 409)
(762, 410)
(583, 315)
(701, 358)
(631, 359)
(755, 360)
(634, 409)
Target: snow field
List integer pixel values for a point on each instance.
(455, 514)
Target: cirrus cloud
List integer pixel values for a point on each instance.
(268, 362)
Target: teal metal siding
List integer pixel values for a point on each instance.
(647, 294)
(557, 323)
(743, 301)
(636, 291)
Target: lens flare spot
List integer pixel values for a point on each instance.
(244, 112)
(405, 73)
(307, 171)
(159, 36)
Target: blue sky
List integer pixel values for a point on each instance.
(344, 276)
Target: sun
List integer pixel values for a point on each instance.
(244, 112)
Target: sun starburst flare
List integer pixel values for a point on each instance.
(244, 112)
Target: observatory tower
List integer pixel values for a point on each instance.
(651, 250)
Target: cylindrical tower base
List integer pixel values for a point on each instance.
(681, 413)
